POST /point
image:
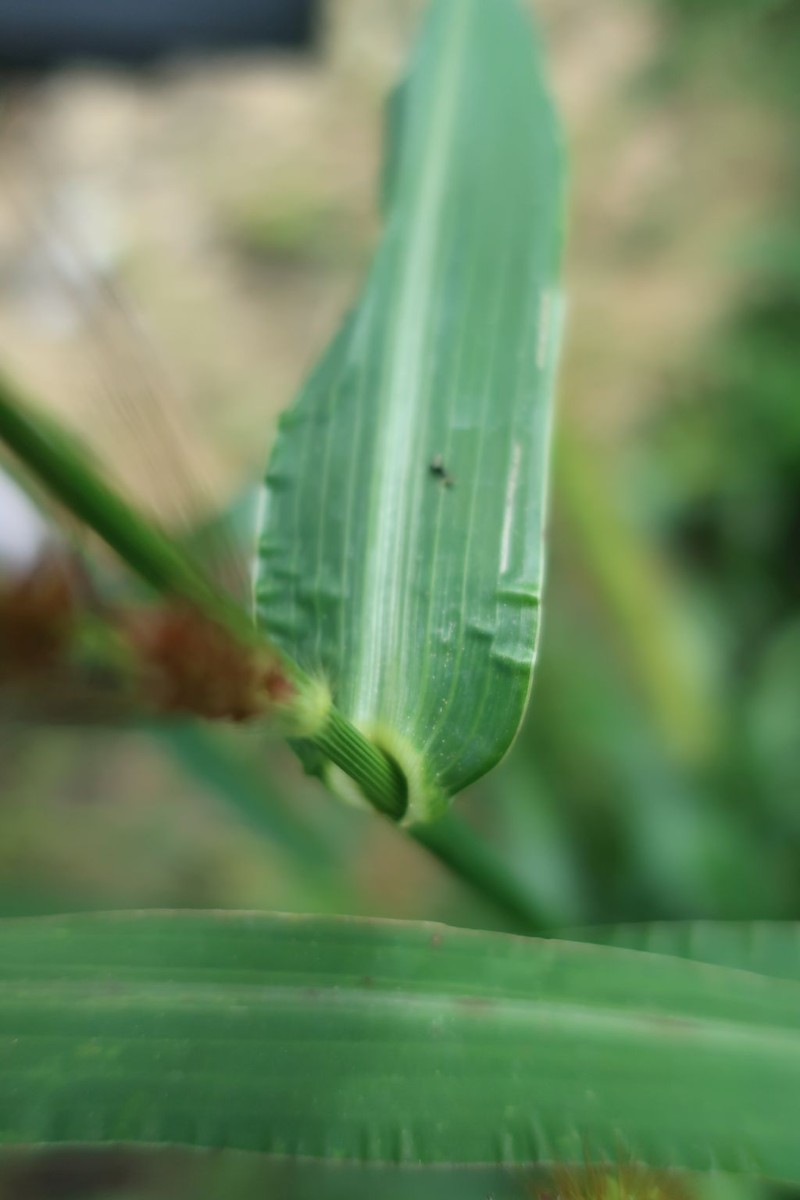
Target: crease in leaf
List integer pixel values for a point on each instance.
(401, 542)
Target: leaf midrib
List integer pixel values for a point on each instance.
(404, 388)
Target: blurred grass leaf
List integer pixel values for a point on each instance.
(398, 1042)
(766, 947)
(247, 788)
(401, 553)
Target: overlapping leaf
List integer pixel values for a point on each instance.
(766, 947)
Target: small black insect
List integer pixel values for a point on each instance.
(438, 471)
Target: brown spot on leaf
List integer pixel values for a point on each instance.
(476, 1003)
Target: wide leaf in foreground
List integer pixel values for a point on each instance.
(401, 552)
(379, 1041)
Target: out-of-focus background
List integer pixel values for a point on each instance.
(186, 238)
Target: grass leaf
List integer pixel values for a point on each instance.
(386, 1041)
(401, 553)
(766, 947)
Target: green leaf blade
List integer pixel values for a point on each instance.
(390, 1042)
(401, 552)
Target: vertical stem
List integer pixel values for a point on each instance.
(453, 843)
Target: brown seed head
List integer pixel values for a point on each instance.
(192, 665)
(37, 618)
